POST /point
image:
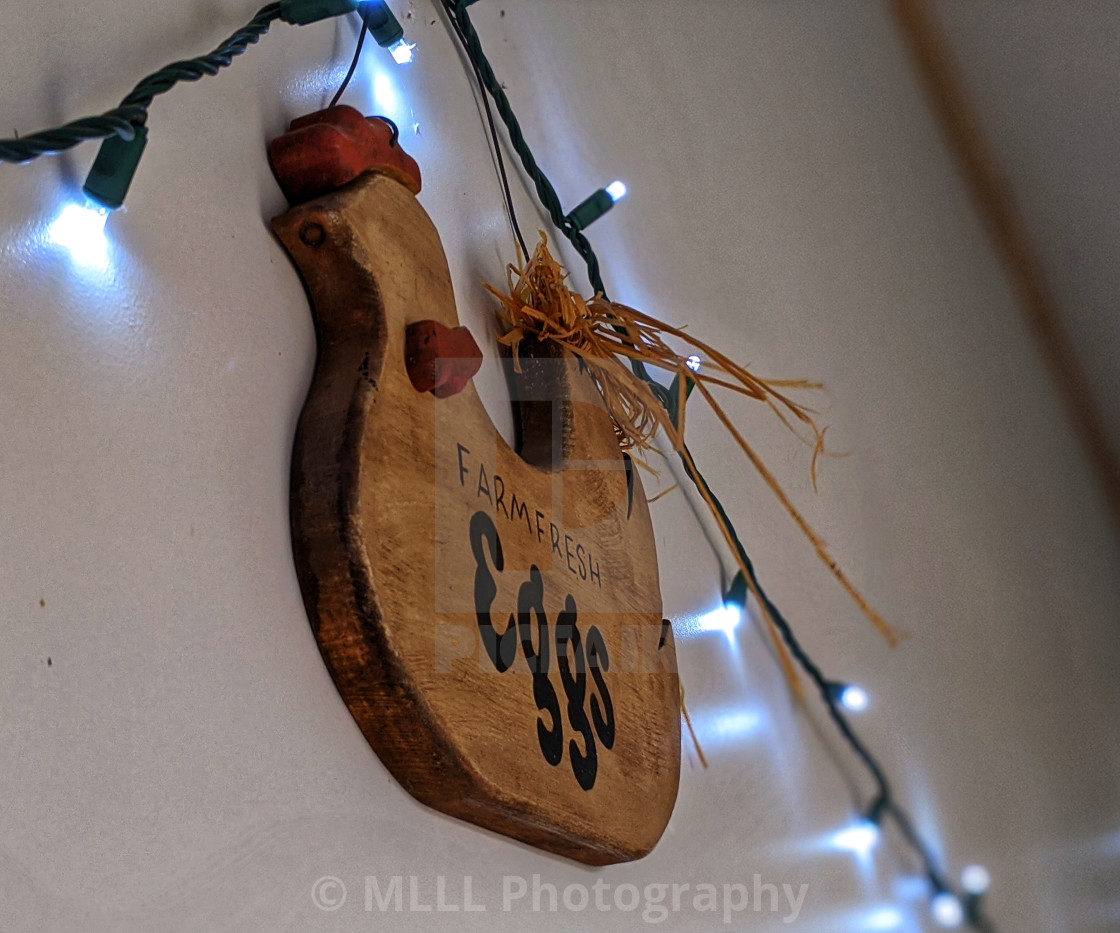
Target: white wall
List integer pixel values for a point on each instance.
(1045, 83)
(183, 761)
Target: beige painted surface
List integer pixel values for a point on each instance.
(183, 761)
(1045, 79)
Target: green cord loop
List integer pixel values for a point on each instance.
(122, 121)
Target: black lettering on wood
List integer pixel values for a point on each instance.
(500, 649)
(519, 510)
(483, 485)
(574, 657)
(530, 601)
(568, 552)
(463, 471)
(500, 494)
(594, 571)
(569, 655)
(602, 708)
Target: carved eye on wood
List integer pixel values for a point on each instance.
(492, 618)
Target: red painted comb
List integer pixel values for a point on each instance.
(324, 150)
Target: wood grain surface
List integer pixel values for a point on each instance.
(492, 620)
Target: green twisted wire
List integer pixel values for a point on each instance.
(123, 120)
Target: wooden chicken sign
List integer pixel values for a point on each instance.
(491, 617)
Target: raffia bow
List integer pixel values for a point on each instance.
(605, 335)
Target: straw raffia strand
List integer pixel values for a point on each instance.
(606, 336)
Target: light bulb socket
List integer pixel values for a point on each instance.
(852, 698)
(590, 210)
(736, 594)
(382, 24)
(972, 906)
(113, 169)
(878, 807)
(302, 12)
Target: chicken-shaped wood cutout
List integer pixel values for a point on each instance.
(491, 617)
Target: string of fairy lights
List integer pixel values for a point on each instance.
(123, 132)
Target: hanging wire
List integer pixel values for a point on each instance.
(494, 138)
(884, 804)
(123, 120)
(394, 130)
(353, 66)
